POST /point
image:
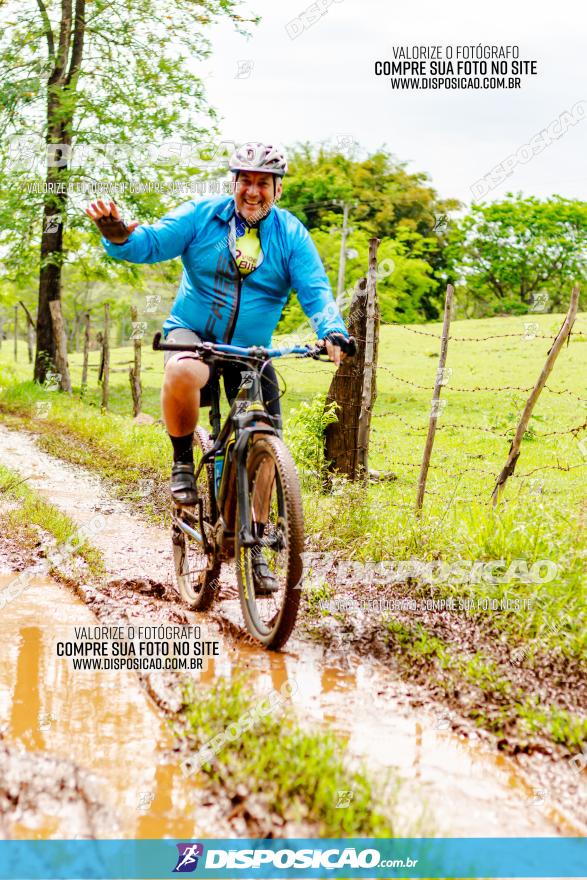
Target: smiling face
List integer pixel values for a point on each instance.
(254, 194)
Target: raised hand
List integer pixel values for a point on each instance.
(108, 220)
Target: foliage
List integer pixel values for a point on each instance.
(386, 201)
(115, 87)
(505, 253)
(305, 437)
(383, 195)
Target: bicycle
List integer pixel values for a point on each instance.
(249, 498)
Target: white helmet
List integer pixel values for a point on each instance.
(255, 156)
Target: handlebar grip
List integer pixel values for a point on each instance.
(346, 344)
(349, 346)
(157, 341)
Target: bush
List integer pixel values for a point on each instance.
(510, 307)
(305, 437)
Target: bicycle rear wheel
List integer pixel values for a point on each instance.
(197, 572)
(275, 504)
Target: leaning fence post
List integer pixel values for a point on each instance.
(31, 328)
(135, 372)
(84, 381)
(106, 356)
(553, 352)
(435, 398)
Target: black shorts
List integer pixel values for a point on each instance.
(231, 373)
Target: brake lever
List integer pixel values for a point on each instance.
(314, 352)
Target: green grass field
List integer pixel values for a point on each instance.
(543, 512)
(466, 458)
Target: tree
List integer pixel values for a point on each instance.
(103, 82)
(387, 202)
(506, 252)
(403, 281)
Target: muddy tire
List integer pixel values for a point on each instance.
(274, 500)
(196, 572)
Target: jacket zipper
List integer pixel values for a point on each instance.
(230, 329)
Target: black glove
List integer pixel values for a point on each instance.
(114, 230)
(347, 344)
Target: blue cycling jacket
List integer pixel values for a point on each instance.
(213, 299)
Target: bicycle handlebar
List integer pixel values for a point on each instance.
(348, 346)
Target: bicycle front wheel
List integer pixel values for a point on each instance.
(275, 518)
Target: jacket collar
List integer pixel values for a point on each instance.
(226, 211)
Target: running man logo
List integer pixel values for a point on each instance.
(187, 860)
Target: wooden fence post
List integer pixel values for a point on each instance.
(435, 398)
(135, 372)
(106, 356)
(60, 345)
(84, 382)
(31, 330)
(370, 362)
(30, 338)
(16, 333)
(553, 352)
(353, 386)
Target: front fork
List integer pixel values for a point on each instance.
(246, 537)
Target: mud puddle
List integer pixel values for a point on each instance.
(101, 723)
(460, 788)
(447, 785)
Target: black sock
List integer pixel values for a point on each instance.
(183, 448)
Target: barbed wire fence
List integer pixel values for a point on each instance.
(424, 433)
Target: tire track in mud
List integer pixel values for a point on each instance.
(373, 709)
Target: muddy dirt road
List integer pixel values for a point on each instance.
(104, 742)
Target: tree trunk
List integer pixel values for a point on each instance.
(60, 338)
(30, 338)
(353, 384)
(74, 332)
(49, 276)
(16, 333)
(100, 342)
(66, 56)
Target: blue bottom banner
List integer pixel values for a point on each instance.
(253, 858)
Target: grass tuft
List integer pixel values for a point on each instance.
(297, 774)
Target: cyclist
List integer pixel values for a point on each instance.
(241, 257)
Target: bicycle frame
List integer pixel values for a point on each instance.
(247, 416)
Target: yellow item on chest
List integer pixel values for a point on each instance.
(248, 249)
